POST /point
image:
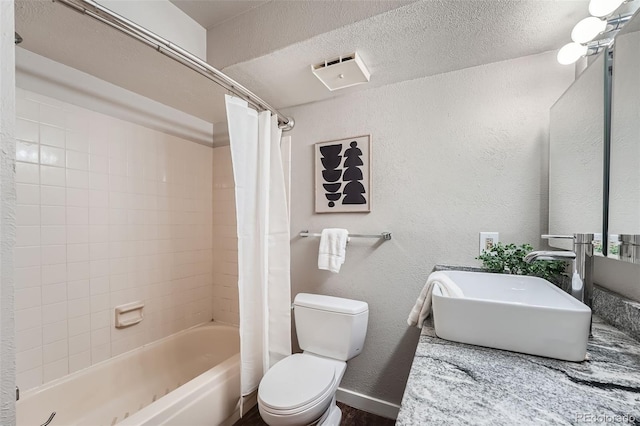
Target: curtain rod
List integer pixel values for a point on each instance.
(124, 25)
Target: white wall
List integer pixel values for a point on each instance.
(166, 20)
(225, 244)
(7, 213)
(109, 212)
(453, 155)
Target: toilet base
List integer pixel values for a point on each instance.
(334, 417)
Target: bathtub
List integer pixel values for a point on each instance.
(190, 378)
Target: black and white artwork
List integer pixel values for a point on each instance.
(343, 175)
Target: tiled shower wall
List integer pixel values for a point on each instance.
(108, 213)
(225, 248)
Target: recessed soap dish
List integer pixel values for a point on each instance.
(129, 314)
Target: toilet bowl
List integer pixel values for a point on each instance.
(300, 389)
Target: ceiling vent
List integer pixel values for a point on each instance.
(345, 71)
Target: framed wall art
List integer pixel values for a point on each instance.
(343, 175)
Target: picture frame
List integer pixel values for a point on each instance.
(343, 175)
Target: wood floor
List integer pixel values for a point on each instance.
(350, 417)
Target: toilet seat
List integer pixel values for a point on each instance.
(296, 383)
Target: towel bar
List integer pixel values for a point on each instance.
(383, 235)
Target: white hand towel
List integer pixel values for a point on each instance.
(332, 252)
(422, 308)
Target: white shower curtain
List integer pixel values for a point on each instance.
(263, 241)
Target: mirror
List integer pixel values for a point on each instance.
(576, 158)
(624, 187)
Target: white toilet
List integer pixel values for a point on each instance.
(300, 389)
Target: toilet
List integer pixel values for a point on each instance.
(300, 389)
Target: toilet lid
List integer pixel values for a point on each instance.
(295, 381)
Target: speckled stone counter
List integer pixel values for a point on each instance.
(454, 383)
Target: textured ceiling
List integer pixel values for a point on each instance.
(418, 40)
(211, 13)
(413, 41)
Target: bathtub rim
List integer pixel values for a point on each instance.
(64, 379)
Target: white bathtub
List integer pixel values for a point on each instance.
(191, 378)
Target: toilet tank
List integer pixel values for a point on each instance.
(330, 326)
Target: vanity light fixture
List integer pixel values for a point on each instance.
(588, 29)
(591, 27)
(602, 8)
(571, 52)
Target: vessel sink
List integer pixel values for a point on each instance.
(513, 312)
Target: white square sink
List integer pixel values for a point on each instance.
(513, 312)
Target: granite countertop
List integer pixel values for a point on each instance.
(455, 383)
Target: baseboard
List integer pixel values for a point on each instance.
(366, 403)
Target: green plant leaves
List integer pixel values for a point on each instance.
(509, 259)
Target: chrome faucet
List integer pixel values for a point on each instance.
(582, 255)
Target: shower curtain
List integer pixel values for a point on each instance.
(263, 241)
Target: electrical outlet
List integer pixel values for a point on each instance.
(488, 240)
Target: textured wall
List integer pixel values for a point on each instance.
(109, 213)
(453, 155)
(7, 213)
(576, 155)
(624, 202)
(225, 244)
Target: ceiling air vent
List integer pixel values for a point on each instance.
(344, 71)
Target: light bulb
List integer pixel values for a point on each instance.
(570, 53)
(587, 29)
(603, 7)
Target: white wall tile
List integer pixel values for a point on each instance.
(53, 215)
(78, 271)
(27, 215)
(28, 360)
(27, 130)
(77, 197)
(99, 181)
(27, 236)
(52, 115)
(27, 277)
(52, 196)
(78, 307)
(79, 325)
(79, 361)
(54, 313)
(52, 235)
(54, 332)
(27, 173)
(51, 255)
(53, 136)
(77, 179)
(77, 141)
(54, 293)
(29, 379)
(26, 256)
(77, 215)
(77, 160)
(27, 109)
(55, 370)
(52, 156)
(80, 343)
(113, 214)
(77, 234)
(28, 318)
(52, 274)
(28, 339)
(27, 194)
(54, 176)
(29, 297)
